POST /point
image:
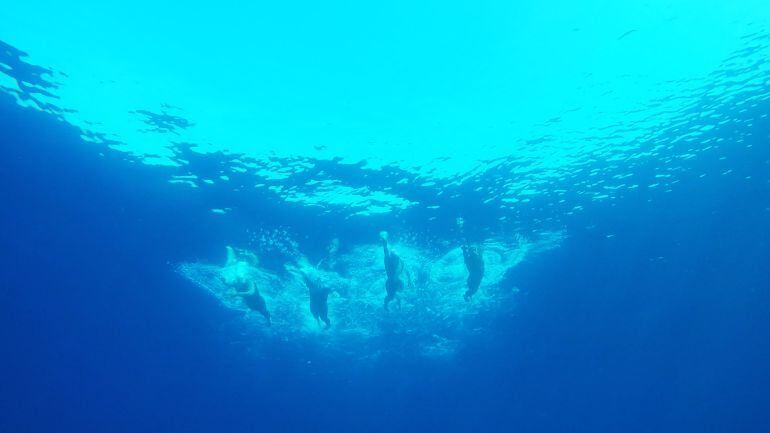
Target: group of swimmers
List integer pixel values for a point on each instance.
(245, 287)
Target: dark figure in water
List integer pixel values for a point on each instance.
(319, 298)
(247, 290)
(474, 261)
(394, 267)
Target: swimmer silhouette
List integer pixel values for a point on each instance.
(237, 274)
(474, 261)
(318, 285)
(394, 267)
(247, 290)
(319, 300)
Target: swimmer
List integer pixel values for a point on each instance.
(394, 267)
(319, 300)
(474, 261)
(237, 274)
(247, 290)
(318, 291)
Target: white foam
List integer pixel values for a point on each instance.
(434, 320)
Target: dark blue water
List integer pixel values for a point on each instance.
(662, 328)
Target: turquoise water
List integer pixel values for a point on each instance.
(442, 91)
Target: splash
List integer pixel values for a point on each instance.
(433, 321)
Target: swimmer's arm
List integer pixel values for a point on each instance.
(494, 247)
(230, 256)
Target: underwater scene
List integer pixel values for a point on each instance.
(385, 217)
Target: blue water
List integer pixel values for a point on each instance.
(630, 292)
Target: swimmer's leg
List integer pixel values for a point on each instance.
(390, 290)
(262, 308)
(473, 282)
(314, 312)
(324, 314)
(398, 285)
(266, 315)
(326, 321)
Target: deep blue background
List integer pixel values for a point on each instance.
(99, 334)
